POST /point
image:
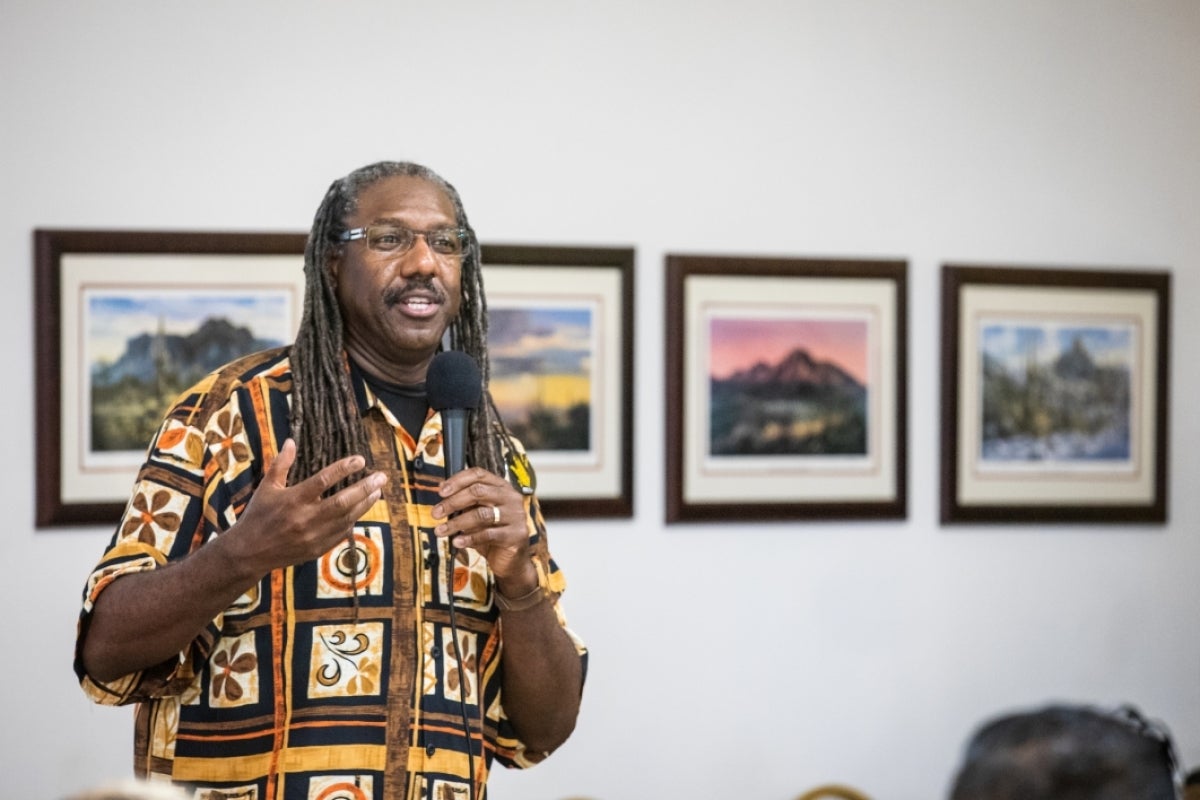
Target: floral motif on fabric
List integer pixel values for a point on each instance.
(459, 684)
(226, 438)
(153, 516)
(346, 660)
(234, 673)
(182, 442)
(470, 577)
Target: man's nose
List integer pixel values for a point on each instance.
(420, 258)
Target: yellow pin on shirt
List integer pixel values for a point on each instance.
(520, 472)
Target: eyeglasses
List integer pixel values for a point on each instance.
(395, 240)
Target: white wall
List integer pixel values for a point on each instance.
(728, 660)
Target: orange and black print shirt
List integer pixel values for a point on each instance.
(291, 693)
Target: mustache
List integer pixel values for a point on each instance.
(421, 284)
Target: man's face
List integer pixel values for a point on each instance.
(395, 308)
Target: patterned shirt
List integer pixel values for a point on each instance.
(292, 692)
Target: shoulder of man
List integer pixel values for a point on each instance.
(212, 392)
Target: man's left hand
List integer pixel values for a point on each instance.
(484, 512)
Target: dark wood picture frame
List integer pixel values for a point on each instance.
(870, 294)
(982, 303)
(54, 506)
(51, 246)
(604, 276)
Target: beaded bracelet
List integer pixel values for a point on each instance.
(521, 603)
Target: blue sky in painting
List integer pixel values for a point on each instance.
(558, 338)
(114, 317)
(1014, 344)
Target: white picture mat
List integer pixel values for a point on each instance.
(790, 479)
(596, 474)
(87, 479)
(1118, 486)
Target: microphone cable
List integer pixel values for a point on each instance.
(462, 675)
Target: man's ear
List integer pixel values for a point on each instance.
(332, 265)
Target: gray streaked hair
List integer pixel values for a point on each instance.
(325, 420)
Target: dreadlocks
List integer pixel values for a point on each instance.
(325, 421)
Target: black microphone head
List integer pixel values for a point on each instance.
(453, 381)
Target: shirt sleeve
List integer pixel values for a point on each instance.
(510, 750)
(180, 500)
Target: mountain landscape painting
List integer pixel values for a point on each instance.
(144, 348)
(541, 374)
(1056, 393)
(788, 386)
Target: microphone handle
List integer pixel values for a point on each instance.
(454, 439)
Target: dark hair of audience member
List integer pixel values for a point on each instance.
(1068, 753)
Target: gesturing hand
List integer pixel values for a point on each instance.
(284, 525)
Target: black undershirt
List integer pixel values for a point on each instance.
(406, 402)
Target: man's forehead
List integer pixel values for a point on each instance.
(403, 194)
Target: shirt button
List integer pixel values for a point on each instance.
(436, 652)
(429, 749)
(419, 462)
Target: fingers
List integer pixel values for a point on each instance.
(484, 539)
(473, 478)
(321, 520)
(310, 498)
(353, 501)
(277, 472)
(480, 510)
(332, 475)
(286, 525)
(317, 485)
(472, 507)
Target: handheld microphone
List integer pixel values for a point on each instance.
(454, 386)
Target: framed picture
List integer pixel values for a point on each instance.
(125, 321)
(1054, 395)
(786, 386)
(560, 344)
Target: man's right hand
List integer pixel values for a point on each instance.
(145, 618)
(284, 525)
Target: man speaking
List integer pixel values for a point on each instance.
(306, 597)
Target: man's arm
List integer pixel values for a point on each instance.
(146, 618)
(543, 674)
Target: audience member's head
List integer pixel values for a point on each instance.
(1191, 785)
(134, 789)
(1066, 752)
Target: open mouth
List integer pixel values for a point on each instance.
(414, 301)
(419, 304)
